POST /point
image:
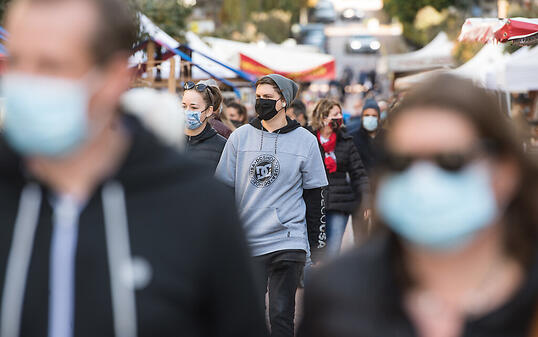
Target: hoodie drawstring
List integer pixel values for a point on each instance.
(119, 260)
(276, 140)
(19, 260)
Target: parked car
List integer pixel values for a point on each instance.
(352, 14)
(324, 12)
(363, 44)
(314, 35)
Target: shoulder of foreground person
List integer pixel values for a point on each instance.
(354, 295)
(364, 274)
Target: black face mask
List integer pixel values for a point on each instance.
(236, 124)
(266, 108)
(336, 123)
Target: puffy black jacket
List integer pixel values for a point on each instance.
(206, 147)
(369, 148)
(349, 184)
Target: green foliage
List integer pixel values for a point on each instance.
(270, 18)
(275, 24)
(464, 51)
(406, 11)
(169, 15)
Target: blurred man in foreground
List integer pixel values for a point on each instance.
(103, 229)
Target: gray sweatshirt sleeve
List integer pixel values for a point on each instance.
(226, 168)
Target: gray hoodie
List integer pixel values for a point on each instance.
(269, 172)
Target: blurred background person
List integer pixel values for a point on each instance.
(354, 122)
(203, 143)
(104, 230)
(297, 111)
(236, 114)
(348, 182)
(459, 253)
(369, 137)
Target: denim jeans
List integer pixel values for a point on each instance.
(336, 226)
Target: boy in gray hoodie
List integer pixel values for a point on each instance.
(276, 169)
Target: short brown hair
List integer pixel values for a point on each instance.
(115, 31)
(321, 111)
(269, 81)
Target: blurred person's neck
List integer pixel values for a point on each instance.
(80, 173)
(326, 131)
(275, 123)
(372, 134)
(196, 132)
(480, 268)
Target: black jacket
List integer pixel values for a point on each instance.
(369, 148)
(349, 184)
(358, 295)
(201, 282)
(206, 147)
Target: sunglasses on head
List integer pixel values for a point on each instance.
(191, 85)
(449, 161)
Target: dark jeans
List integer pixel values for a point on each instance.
(281, 278)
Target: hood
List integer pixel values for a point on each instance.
(207, 133)
(292, 125)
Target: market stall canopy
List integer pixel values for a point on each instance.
(436, 54)
(483, 67)
(520, 71)
(521, 31)
(262, 59)
(160, 37)
(199, 47)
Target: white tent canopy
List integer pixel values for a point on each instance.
(484, 66)
(436, 54)
(520, 72)
(274, 56)
(200, 46)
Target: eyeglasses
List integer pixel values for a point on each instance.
(448, 161)
(191, 85)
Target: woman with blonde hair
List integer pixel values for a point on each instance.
(348, 182)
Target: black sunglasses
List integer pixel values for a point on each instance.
(448, 161)
(191, 85)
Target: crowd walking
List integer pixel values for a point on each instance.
(107, 231)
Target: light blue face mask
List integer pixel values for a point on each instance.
(44, 116)
(193, 119)
(369, 123)
(437, 209)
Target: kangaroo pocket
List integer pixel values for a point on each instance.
(262, 223)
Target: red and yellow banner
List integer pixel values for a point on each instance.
(324, 71)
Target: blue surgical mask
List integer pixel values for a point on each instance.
(45, 116)
(369, 123)
(193, 119)
(437, 209)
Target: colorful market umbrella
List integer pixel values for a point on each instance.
(520, 31)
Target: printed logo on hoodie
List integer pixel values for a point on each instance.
(264, 170)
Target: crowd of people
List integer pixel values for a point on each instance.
(107, 231)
